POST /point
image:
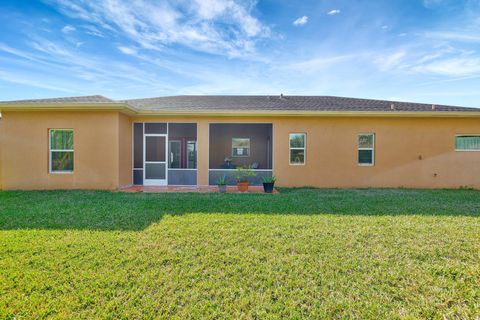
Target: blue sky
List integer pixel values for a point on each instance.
(425, 50)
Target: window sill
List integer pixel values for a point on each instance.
(467, 150)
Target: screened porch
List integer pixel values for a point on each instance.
(234, 145)
(165, 154)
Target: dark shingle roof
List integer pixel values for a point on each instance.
(254, 104)
(281, 103)
(81, 99)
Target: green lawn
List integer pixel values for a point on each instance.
(305, 253)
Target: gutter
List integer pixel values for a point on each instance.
(132, 111)
(398, 114)
(33, 107)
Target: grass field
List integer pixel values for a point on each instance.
(305, 253)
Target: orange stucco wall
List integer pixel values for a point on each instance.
(25, 150)
(415, 152)
(409, 152)
(124, 150)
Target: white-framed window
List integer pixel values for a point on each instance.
(61, 150)
(467, 142)
(240, 147)
(366, 149)
(297, 148)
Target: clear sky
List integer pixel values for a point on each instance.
(410, 50)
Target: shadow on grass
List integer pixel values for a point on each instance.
(103, 210)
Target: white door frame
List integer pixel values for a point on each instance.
(154, 182)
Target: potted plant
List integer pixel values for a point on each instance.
(222, 184)
(268, 183)
(242, 174)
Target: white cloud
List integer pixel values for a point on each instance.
(389, 61)
(301, 21)
(127, 50)
(454, 36)
(456, 67)
(93, 31)
(68, 29)
(224, 27)
(320, 63)
(333, 12)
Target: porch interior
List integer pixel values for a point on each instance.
(234, 145)
(165, 154)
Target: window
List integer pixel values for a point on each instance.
(467, 143)
(61, 150)
(297, 148)
(175, 154)
(366, 146)
(240, 147)
(191, 154)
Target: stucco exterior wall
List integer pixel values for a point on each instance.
(415, 152)
(409, 152)
(124, 150)
(25, 150)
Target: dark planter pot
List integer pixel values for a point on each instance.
(268, 187)
(222, 188)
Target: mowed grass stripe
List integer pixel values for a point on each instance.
(219, 256)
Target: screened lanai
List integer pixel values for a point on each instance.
(233, 145)
(165, 153)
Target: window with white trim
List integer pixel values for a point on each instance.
(467, 142)
(240, 147)
(297, 147)
(366, 149)
(61, 150)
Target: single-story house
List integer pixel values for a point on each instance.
(93, 142)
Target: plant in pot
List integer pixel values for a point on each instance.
(268, 183)
(222, 184)
(242, 174)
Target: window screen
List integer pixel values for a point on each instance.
(366, 145)
(158, 128)
(138, 145)
(297, 146)
(61, 150)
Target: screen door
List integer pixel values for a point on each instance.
(155, 172)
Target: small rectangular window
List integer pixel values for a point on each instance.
(191, 154)
(240, 147)
(61, 150)
(366, 149)
(297, 146)
(467, 143)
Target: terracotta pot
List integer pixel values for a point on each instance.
(243, 186)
